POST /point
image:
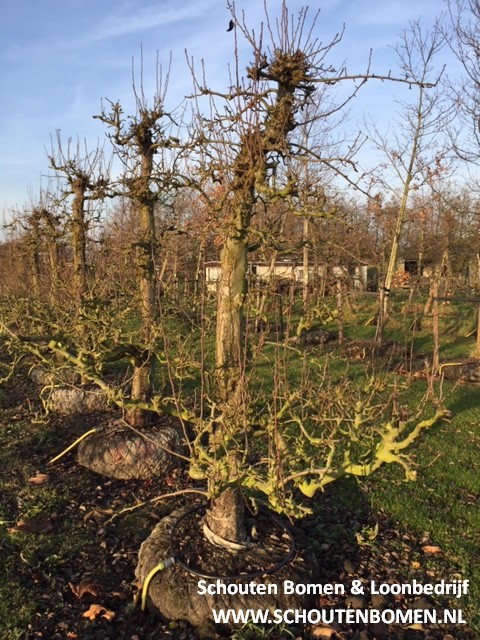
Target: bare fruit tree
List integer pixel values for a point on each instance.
(39, 229)
(142, 142)
(246, 143)
(464, 39)
(84, 178)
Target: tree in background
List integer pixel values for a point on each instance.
(83, 179)
(411, 153)
(38, 235)
(464, 39)
(149, 177)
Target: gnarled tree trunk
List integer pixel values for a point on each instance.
(249, 179)
(141, 388)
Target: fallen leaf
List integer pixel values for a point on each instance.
(32, 525)
(415, 565)
(97, 514)
(97, 610)
(431, 549)
(39, 478)
(323, 632)
(136, 583)
(416, 626)
(85, 586)
(325, 602)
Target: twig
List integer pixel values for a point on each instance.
(164, 496)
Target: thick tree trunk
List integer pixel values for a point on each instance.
(226, 517)
(79, 238)
(143, 369)
(226, 514)
(229, 345)
(140, 392)
(79, 248)
(33, 257)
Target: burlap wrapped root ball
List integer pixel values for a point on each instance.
(174, 592)
(76, 400)
(45, 377)
(117, 451)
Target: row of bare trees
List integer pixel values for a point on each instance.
(439, 227)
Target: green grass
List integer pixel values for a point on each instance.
(443, 503)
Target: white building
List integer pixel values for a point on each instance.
(265, 272)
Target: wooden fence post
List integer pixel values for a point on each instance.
(340, 312)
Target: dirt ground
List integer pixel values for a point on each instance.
(69, 548)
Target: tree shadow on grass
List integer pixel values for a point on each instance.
(338, 515)
(466, 398)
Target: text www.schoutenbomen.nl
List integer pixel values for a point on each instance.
(340, 616)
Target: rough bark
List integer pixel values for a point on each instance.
(249, 180)
(225, 517)
(145, 256)
(79, 235)
(34, 256)
(140, 392)
(229, 335)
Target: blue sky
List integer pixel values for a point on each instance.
(59, 58)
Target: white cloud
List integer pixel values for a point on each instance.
(148, 18)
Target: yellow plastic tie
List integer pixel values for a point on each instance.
(449, 364)
(74, 444)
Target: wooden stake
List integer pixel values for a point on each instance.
(436, 349)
